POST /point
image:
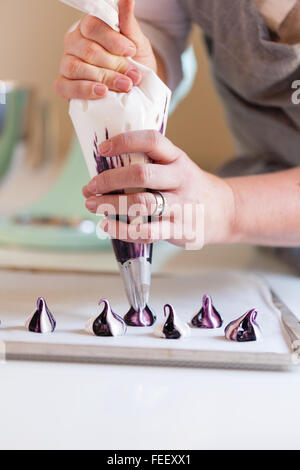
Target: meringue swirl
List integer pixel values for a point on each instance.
(141, 318)
(245, 328)
(173, 328)
(207, 317)
(107, 323)
(41, 320)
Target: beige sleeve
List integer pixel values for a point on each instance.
(283, 18)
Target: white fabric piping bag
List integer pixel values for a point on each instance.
(144, 107)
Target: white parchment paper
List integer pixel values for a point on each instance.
(73, 300)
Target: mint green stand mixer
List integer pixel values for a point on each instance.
(59, 219)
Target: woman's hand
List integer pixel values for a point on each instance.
(96, 57)
(199, 206)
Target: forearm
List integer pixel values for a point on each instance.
(267, 208)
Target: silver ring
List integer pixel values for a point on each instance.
(160, 204)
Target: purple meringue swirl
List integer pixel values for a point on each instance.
(169, 330)
(245, 328)
(173, 327)
(103, 324)
(42, 320)
(207, 317)
(140, 318)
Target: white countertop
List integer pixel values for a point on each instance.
(80, 406)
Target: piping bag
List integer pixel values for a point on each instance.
(144, 107)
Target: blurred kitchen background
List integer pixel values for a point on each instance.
(40, 203)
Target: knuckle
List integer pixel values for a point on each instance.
(121, 65)
(140, 199)
(143, 174)
(182, 157)
(104, 76)
(117, 45)
(89, 26)
(104, 182)
(126, 141)
(71, 67)
(154, 138)
(90, 51)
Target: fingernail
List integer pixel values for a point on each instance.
(123, 84)
(100, 90)
(91, 205)
(105, 147)
(131, 51)
(135, 76)
(92, 187)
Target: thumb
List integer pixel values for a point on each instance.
(129, 26)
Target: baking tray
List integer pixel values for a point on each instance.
(145, 356)
(73, 299)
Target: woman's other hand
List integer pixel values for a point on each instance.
(96, 57)
(200, 207)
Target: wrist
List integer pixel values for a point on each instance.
(235, 230)
(220, 214)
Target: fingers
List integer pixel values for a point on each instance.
(144, 233)
(128, 23)
(116, 204)
(137, 204)
(94, 54)
(151, 232)
(151, 142)
(130, 28)
(150, 176)
(79, 89)
(73, 68)
(96, 30)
